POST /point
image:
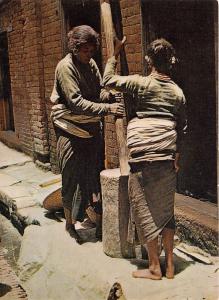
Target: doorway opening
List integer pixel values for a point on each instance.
(86, 12)
(190, 27)
(6, 105)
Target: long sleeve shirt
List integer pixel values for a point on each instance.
(156, 96)
(78, 96)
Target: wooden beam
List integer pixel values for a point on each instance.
(120, 128)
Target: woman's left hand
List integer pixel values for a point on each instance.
(176, 162)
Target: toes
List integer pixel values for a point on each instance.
(147, 274)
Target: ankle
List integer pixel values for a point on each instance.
(155, 268)
(169, 260)
(170, 271)
(69, 226)
(155, 263)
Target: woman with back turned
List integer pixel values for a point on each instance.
(154, 139)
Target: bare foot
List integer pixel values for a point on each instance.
(73, 233)
(170, 271)
(148, 274)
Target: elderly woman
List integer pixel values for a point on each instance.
(78, 105)
(154, 139)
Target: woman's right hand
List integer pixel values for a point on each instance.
(117, 109)
(118, 45)
(176, 162)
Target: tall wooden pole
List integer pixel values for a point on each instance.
(120, 129)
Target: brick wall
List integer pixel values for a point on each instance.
(34, 45)
(33, 69)
(52, 53)
(131, 21)
(11, 21)
(42, 42)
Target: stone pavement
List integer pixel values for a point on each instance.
(49, 258)
(20, 192)
(21, 196)
(10, 288)
(66, 270)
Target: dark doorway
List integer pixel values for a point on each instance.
(86, 12)
(6, 105)
(189, 26)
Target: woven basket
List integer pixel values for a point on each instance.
(53, 201)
